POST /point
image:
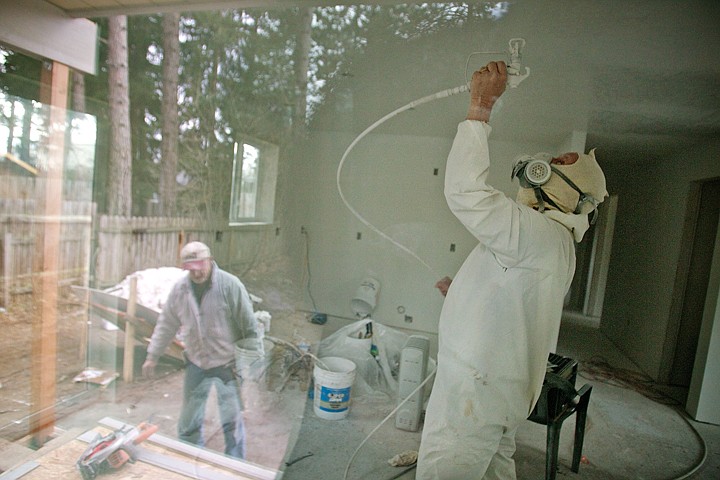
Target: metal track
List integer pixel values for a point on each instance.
(191, 470)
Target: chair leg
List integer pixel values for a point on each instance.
(580, 419)
(553, 444)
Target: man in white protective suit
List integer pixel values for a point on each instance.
(501, 315)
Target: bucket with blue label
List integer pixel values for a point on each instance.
(333, 378)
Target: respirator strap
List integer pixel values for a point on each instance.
(584, 197)
(567, 180)
(549, 200)
(540, 197)
(543, 198)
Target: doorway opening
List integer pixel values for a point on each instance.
(584, 302)
(691, 284)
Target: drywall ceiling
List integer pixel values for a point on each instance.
(641, 77)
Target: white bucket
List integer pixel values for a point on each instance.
(252, 362)
(333, 378)
(365, 299)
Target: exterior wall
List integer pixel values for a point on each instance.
(49, 33)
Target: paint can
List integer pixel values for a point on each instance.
(252, 358)
(333, 378)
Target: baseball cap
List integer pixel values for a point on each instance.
(193, 254)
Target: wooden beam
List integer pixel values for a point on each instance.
(129, 351)
(54, 94)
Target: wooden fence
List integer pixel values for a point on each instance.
(100, 251)
(126, 245)
(20, 232)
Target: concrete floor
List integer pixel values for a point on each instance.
(629, 436)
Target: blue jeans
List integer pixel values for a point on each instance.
(195, 394)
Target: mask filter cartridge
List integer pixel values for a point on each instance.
(532, 173)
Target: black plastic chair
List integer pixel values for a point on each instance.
(558, 401)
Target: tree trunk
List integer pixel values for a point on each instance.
(24, 151)
(171, 67)
(120, 169)
(78, 92)
(11, 129)
(302, 65)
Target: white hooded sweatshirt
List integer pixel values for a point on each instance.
(499, 322)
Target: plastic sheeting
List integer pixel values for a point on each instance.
(376, 357)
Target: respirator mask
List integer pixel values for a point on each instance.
(535, 171)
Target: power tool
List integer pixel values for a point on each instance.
(113, 450)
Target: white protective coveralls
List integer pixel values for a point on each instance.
(499, 321)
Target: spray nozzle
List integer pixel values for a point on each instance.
(515, 75)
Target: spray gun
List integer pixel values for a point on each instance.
(514, 68)
(516, 72)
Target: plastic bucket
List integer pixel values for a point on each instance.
(252, 362)
(365, 299)
(333, 377)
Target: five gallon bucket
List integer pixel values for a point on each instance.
(252, 360)
(333, 377)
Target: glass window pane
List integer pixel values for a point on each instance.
(253, 182)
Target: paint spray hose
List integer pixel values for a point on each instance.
(389, 415)
(411, 105)
(516, 74)
(318, 360)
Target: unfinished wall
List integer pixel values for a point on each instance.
(396, 184)
(651, 214)
(389, 177)
(704, 393)
(393, 178)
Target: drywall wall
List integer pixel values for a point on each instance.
(651, 214)
(704, 392)
(566, 91)
(395, 183)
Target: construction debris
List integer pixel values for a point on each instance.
(404, 459)
(96, 376)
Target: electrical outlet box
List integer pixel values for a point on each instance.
(413, 369)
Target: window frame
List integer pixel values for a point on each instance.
(268, 158)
